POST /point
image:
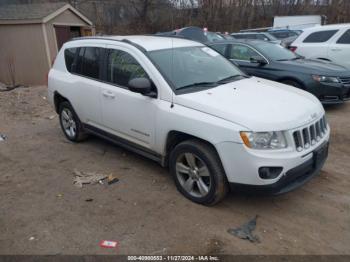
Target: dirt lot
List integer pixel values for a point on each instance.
(42, 212)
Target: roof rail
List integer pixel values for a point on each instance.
(127, 41)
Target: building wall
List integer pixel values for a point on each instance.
(66, 18)
(31, 48)
(23, 46)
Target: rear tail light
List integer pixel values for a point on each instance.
(293, 48)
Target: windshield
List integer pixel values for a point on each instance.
(194, 67)
(276, 52)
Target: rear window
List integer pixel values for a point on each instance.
(88, 62)
(69, 56)
(345, 38)
(243, 36)
(320, 37)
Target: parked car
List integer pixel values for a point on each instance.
(329, 42)
(284, 33)
(226, 36)
(264, 36)
(195, 33)
(185, 106)
(329, 82)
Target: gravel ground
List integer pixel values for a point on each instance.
(42, 212)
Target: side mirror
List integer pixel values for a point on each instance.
(143, 86)
(258, 60)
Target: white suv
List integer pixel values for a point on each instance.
(330, 43)
(185, 106)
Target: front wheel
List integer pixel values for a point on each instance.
(198, 172)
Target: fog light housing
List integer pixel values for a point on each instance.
(269, 172)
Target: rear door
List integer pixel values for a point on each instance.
(126, 114)
(339, 49)
(85, 80)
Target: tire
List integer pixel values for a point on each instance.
(70, 123)
(198, 172)
(292, 83)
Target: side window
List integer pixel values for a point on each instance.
(320, 37)
(262, 37)
(79, 62)
(220, 48)
(345, 38)
(241, 52)
(69, 56)
(88, 62)
(122, 67)
(251, 36)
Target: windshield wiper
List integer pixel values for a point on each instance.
(198, 84)
(298, 57)
(291, 59)
(228, 79)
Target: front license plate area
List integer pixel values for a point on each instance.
(320, 155)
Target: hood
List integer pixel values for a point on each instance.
(256, 104)
(320, 67)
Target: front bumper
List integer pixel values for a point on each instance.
(293, 178)
(242, 165)
(329, 93)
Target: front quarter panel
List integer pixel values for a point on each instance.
(193, 122)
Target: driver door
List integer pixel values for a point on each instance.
(126, 114)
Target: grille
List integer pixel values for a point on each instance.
(345, 80)
(308, 136)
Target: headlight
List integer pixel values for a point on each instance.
(264, 140)
(325, 79)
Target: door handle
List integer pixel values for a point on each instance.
(336, 49)
(107, 93)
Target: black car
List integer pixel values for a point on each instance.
(328, 81)
(264, 36)
(195, 33)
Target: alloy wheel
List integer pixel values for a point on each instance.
(193, 175)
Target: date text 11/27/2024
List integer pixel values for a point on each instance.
(173, 258)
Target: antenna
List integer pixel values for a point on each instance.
(172, 72)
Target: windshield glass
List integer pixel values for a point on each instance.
(194, 67)
(276, 52)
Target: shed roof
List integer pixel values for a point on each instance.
(35, 13)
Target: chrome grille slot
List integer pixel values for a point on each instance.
(324, 123)
(298, 141)
(310, 135)
(306, 138)
(313, 134)
(321, 126)
(345, 80)
(318, 131)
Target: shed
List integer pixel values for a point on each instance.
(30, 37)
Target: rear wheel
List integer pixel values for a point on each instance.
(70, 123)
(198, 172)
